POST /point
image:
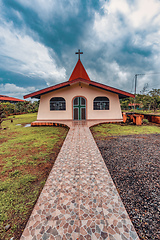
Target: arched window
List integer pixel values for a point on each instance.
(57, 104)
(101, 103)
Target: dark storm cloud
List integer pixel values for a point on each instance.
(39, 38)
(60, 27)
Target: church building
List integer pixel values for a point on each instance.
(78, 99)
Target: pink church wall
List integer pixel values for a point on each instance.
(69, 93)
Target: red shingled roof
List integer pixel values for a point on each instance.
(9, 99)
(79, 74)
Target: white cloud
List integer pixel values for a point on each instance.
(127, 36)
(114, 6)
(135, 16)
(144, 12)
(112, 75)
(138, 12)
(123, 40)
(12, 90)
(46, 9)
(21, 54)
(121, 74)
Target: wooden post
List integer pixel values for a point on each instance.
(131, 117)
(157, 119)
(134, 119)
(124, 117)
(138, 120)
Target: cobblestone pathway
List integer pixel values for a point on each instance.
(79, 199)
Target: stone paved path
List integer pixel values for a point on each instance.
(79, 199)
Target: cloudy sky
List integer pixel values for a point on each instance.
(39, 38)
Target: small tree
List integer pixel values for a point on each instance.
(124, 103)
(155, 98)
(144, 101)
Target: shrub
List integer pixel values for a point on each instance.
(145, 121)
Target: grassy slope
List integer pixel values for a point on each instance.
(26, 157)
(104, 130)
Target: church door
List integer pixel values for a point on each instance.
(79, 108)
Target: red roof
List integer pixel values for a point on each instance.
(9, 99)
(79, 72)
(132, 104)
(122, 94)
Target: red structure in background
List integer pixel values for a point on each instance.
(4, 98)
(134, 105)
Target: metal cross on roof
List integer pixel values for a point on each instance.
(79, 52)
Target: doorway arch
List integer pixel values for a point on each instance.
(79, 108)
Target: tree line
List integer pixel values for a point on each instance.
(19, 107)
(145, 101)
(7, 108)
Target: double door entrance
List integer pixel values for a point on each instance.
(79, 108)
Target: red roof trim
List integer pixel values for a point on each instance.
(104, 87)
(121, 93)
(6, 98)
(46, 90)
(111, 89)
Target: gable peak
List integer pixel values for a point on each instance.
(79, 72)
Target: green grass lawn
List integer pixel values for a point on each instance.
(27, 155)
(143, 111)
(106, 130)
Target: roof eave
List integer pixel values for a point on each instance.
(122, 94)
(37, 94)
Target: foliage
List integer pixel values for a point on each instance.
(26, 157)
(2, 115)
(149, 101)
(145, 121)
(155, 98)
(125, 102)
(19, 107)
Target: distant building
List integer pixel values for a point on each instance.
(131, 106)
(4, 98)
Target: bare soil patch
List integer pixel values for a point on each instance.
(134, 164)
